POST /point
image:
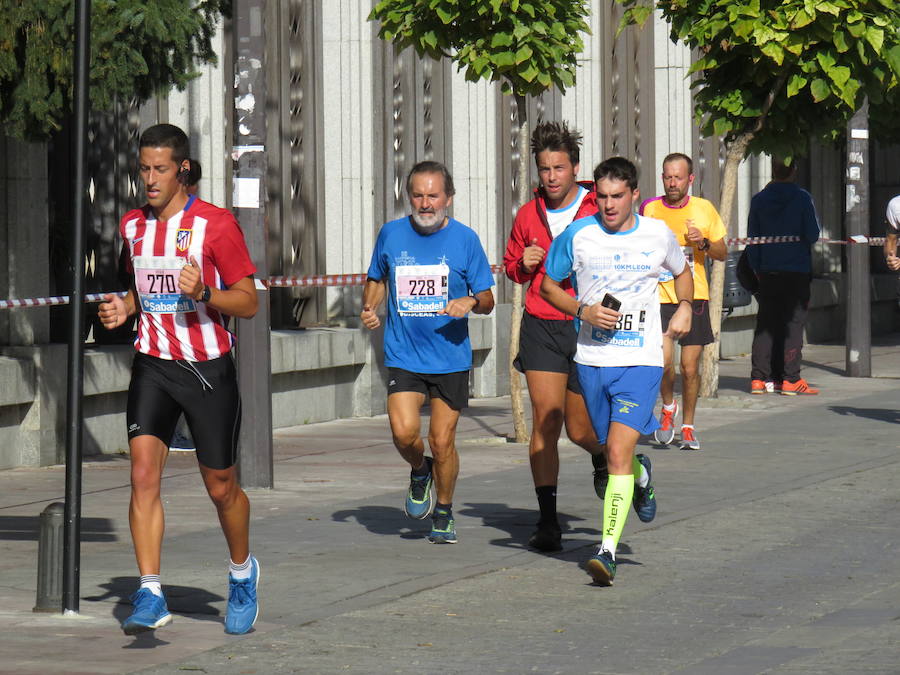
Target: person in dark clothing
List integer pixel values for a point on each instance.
(784, 270)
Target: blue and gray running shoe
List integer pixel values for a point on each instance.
(644, 498)
(443, 529)
(150, 612)
(602, 568)
(243, 606)
(419, 498)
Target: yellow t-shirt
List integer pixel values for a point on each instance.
(701, 214)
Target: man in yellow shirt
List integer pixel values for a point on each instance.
(699, 229)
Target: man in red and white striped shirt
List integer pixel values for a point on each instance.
(191, 271)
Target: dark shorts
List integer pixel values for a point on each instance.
(548, 345)
(452, 388)
(205, 391)
(701, 328)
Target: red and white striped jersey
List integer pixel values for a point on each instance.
(172, 326)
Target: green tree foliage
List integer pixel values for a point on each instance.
(772, 75)
(530, 46)
(784, 72)
(138, 48)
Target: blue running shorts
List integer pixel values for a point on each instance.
(624, 394)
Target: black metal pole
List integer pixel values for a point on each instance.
(72, 525)
(859, 309)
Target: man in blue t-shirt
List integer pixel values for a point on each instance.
(433, 272)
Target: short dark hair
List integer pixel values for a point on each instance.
(782, 171)
(556, 137)
(617, 168)
(167, 136)
(675, 156)
(429, 166)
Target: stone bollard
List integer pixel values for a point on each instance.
(50, 559)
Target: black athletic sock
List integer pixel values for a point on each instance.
(546, 496)
(446, 508)
(425, 469)
(599, 461)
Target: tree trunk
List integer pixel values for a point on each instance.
(709, 367)
(520, 429)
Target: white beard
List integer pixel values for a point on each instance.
(426, 223)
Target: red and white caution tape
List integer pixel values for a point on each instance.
(334, 280)
(53, 300)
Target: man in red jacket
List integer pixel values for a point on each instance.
(548, 336)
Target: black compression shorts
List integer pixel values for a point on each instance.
(548, 345)
(205, 391)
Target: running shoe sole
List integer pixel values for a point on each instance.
(664, 436)
(135, 629)
(600, 573)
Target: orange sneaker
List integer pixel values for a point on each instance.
(689, 440)
(801, 386)
(758, 387)
(666, 432)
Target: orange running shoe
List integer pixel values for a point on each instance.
(689, 440)
(801, 386)
(758, 387)
(666, 432)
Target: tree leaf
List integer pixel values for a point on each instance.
(820, 90)
(795, 84)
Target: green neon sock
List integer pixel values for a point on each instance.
(619, 493)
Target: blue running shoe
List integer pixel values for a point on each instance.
(419, 498)
(243, 607)
(443, 529)
(602, 568)
(644, 498)
(150, 612)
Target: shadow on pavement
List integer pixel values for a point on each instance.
(879, 414)
(383, 520)
(27, 528)
(196, 602)
(518, 523)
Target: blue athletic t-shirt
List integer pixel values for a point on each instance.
(423, 272)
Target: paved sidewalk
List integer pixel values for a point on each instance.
(774, 550)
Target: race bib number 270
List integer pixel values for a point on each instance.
(156, 280)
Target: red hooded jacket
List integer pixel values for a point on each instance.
(530, 224)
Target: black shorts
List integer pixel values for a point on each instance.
(452, 388)
(548, 345)
(701, 328)
(205, 391)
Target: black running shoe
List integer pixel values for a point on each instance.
(547, 537)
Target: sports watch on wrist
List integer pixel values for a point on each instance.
(206, 294)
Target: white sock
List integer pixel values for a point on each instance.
(608, 546)
(670, 407)
(151, 583)
(687, 426)
(240, 571)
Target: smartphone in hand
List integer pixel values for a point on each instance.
(611, 302)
